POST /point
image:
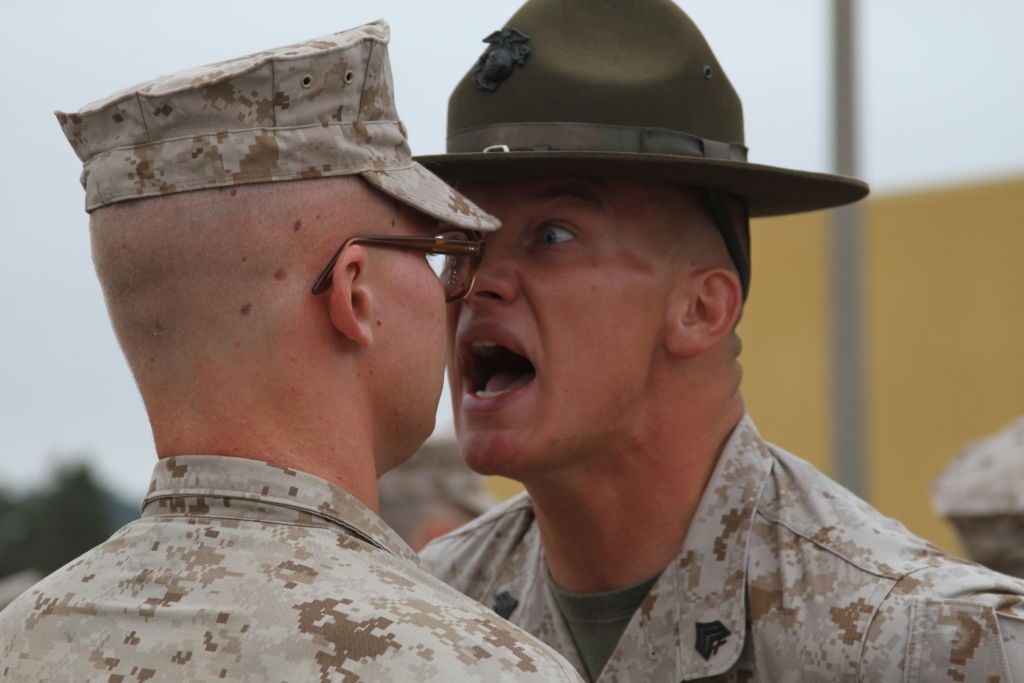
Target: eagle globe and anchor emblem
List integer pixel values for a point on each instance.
(511, 48)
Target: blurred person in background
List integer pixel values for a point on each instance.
(982, 493)
(432, 493)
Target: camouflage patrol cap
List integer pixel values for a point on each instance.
(982, 493)
(320, 108)
(986, 477)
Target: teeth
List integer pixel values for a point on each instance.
(483, 393)
(484, 347)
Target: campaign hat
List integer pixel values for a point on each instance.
(608, 88)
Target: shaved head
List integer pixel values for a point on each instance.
(690, 224)
(207, 272)
(209, 291)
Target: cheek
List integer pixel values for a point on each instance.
(605, 347)
(423, 306)
(606, 371)
(436, 332)
(426, 294)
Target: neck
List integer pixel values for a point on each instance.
(633, 503)
(295, 422)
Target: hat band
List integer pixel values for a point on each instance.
(590, 137)
(239, 157)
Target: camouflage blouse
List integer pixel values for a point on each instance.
(243, 571)
(783, 576)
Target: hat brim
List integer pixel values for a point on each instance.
(417, 187)
(768, 190)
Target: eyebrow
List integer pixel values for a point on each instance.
(571, 189)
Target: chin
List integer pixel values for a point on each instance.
(492, 452)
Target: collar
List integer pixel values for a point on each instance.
(698, 606)
(693, 622)
(240, 488)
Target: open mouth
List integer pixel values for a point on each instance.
(494, 370)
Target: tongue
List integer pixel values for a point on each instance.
(507, 381)
(501, 382)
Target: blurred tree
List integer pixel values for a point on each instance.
(44, 530)
(72, 516)
(13, 529)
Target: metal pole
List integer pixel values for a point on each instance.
(847, 327)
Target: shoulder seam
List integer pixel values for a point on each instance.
(870, 569)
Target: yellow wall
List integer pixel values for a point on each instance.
(943, 276)
(943, 287)
(503, 488)
(785, 333)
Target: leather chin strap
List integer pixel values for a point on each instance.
(726, 228)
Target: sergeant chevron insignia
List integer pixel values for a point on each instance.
(504, 604)
(710, 636)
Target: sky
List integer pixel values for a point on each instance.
(940, 102)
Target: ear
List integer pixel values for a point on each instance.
(702, 311)
(349, 300)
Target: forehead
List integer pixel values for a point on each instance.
(631, 198)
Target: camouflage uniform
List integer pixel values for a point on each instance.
(241, 570)
(783, 576)
(982, 493)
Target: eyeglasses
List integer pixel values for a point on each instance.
(453, 255)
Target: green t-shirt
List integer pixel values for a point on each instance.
(597, 620)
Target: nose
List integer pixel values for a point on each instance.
(496, 278)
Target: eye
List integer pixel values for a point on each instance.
(554, 234)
